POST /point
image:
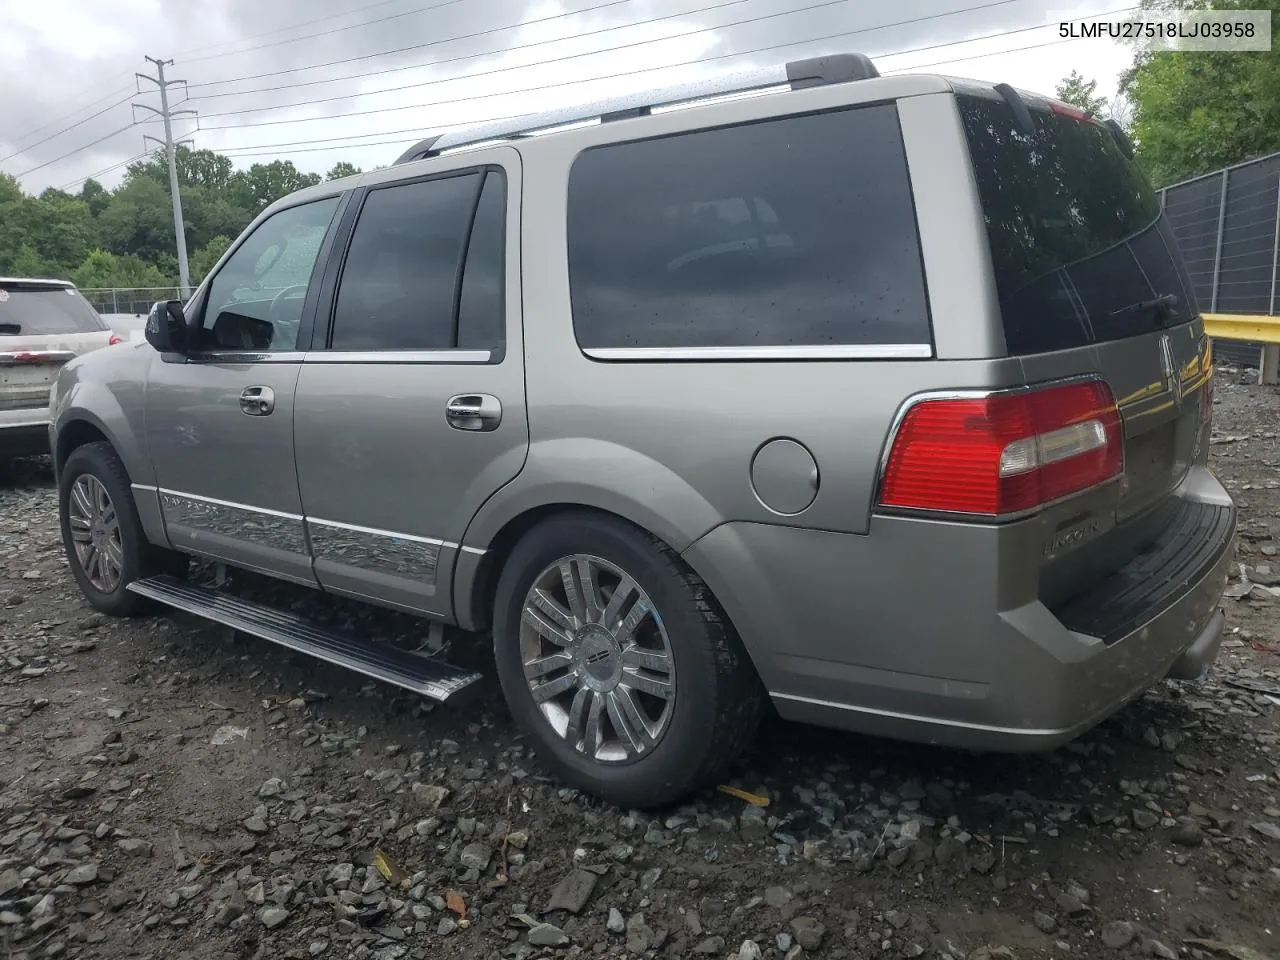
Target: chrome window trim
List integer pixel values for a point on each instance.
(246, 356)
(851, 351)
(399, 356)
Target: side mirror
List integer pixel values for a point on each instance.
(167, 326)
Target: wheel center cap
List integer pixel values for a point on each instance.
(597, 659)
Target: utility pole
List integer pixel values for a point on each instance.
(171, 149)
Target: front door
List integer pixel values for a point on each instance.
(220, 420)
(414, 414)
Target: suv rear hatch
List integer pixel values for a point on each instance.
(43, 324)
(1091, 283)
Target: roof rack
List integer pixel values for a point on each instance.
(795, 75)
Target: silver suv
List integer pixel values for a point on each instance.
(884, 401)
(43, 324)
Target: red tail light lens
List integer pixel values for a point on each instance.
(1004, 453)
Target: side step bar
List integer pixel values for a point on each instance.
(423, 675)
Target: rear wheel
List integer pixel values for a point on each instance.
(101, 532)
(618, 664)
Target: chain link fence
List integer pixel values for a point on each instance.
(135, 300)
(1228, 228)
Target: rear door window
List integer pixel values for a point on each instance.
(34, 309)
(792, 232)
(1081, 251)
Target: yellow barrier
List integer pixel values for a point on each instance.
(1256, 328)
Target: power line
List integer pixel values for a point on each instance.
(465, 36)
(45, 126)
(326, 33)
(105, 170)
(49, 163)
(92, 116)
(576, 56)
(295, 26)
(334, 145)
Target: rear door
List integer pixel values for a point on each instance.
(43, 324)
(1090, 280)
(414, 412)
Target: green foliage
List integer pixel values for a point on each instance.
(342, 169)
(1079, 92)
(203, 260)
(102, 268)
(1194, 112)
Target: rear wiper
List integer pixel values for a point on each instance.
(1164, 304)
(12, 329)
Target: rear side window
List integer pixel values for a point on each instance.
(792, 232)
(1080, 249)
(33, 309)
(423, 271)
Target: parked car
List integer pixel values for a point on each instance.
(43, 324)
(885, 401)
(126, 326)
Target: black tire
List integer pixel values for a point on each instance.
(718, 699)
(139, 557)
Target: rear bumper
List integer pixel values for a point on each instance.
(922, 630)
(24, 433)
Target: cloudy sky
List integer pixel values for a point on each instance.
(317, 81)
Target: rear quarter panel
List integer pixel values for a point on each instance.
(670, 445)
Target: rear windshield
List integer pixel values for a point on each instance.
(33, 309)
(1081, 250)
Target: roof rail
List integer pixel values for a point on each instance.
(795, 75)
(418, 151)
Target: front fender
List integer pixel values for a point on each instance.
(110, 397)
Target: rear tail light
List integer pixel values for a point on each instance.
(115, 338)
(1005, 452)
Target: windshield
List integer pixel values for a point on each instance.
(1081, 250)
(28, 309)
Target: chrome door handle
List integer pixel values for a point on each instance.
(474, 411)
(257, 401)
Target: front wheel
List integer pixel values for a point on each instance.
(617, 662)
(101, 532)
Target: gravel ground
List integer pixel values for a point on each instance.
(170, 790)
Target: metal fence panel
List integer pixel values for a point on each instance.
(1227, 224)
(136, 300)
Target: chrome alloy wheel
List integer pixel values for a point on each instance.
(95, 532)
(597, 659)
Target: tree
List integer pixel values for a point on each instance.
(124, 237)
(104, 269)
(28, 263)
(342, 169)
(1194, 112)
(95, 197)
(203, 260)
(1079, 92)
(139, 220)
(265, 183)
